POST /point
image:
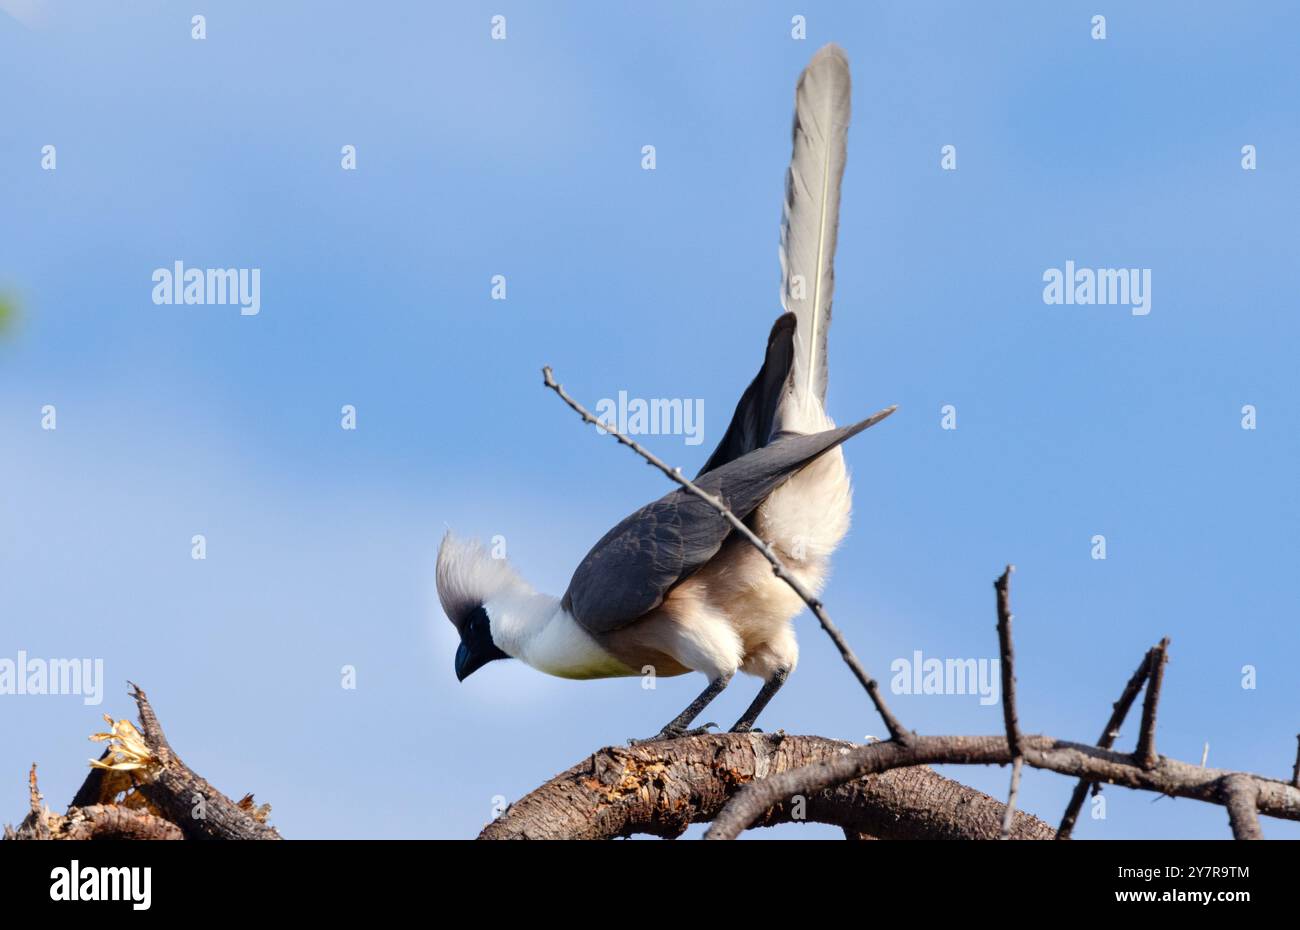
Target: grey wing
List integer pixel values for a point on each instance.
(634, 566)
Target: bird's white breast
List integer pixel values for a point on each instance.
(565, 649)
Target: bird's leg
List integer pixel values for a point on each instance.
(770, 687)
(677, 726)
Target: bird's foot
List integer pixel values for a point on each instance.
(672, 732)
(744, 728)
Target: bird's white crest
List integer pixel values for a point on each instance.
(525, 624)
(470, 577)
(810, 219)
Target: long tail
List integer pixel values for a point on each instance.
(752, 423)
(811, 215)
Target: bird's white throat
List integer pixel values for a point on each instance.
(537, 630)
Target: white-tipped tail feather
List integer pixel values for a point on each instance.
(811, 215)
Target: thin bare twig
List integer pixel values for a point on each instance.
(1146, 747)
(1109, 734)
(1017, 763)
(1003, 588)
(1295, 772)
(896, 729)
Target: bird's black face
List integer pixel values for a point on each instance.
(476, 646)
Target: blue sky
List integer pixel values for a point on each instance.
(522, 158)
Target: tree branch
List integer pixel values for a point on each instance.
(1008, 653)
(1146, 747)
(1168, 776)
(1245, 794)
(140, 789)
(1241, 798)
(184, 797)
(1109, 734)
(661, 788)
(114, 822)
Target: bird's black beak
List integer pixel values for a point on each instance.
(466, 662)
(469, 660)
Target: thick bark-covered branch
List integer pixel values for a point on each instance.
(185, 798)
(1240, 797)
(662, 788)
(139, 788)
(114, 822)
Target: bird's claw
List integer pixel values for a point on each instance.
(671, 732)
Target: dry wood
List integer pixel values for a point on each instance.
(159, 797)
(662, 788)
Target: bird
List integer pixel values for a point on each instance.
(672, 587)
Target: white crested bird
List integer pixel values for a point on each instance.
(672, 586)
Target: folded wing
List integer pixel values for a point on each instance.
(630, 571)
